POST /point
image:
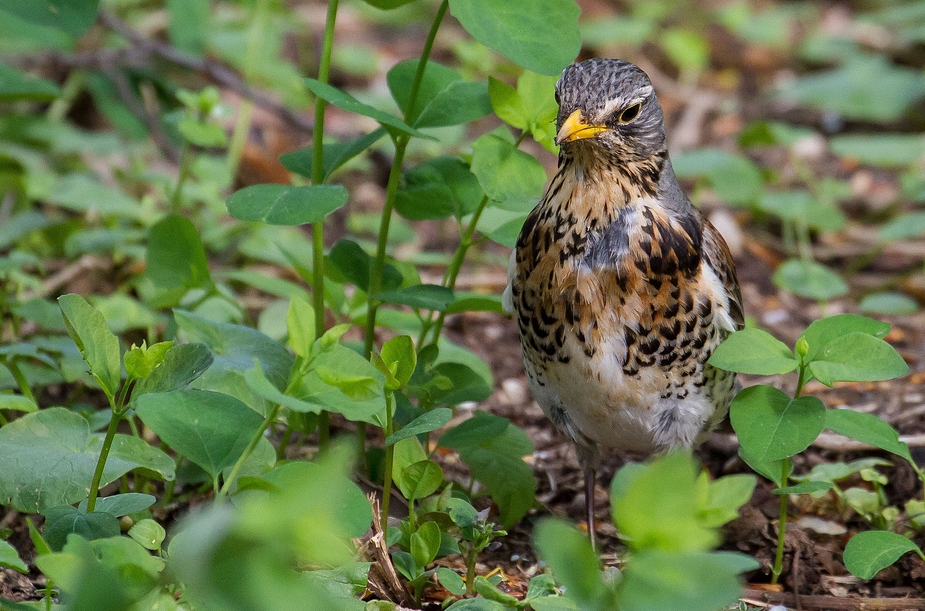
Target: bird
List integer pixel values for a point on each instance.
(620, 288)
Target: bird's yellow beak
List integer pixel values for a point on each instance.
(576, 127)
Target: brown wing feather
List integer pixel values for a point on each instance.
(717, 255)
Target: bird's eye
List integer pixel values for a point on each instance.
(628, 114)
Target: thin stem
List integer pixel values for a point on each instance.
(324, 70)
(781, 524)
(401, 143)
(246, 109)
(422, 64)
(255, 439)
(284, 443)
(801, 382)
(175, 203)
(21, 380)
(389, 463)
(101, 462)
(375, 280)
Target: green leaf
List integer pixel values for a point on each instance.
(120, 504)
(420, 479)
(104, 574)
(188, 24)
(388, 4)
(234, 348)
(770, 469)
(771, 426)
(754, 351)
(903, 227)
(809, 279)
(868, 429)
(574, 564)
(540, 35)
(724, 497)
(888, 303)
(286, 204)
(477, 604)
(855, 89)
(334, 155)
(345, 383)
(425, 543)
(400, 359)
(694, 581)
(883, 150)
(356, 265)
(802, 207)
(805, 488)
(420, 296)
(149, 534)
(687, 49)
(141, 361)
(439, 187)
(176, 258)
(16, 86)
(485, 588)
(448, 578)
(822, 331)
(655, 506)
(9, 558)
(300, 321)
(64, 520)
(83, 193)
(466, 385)
(201, 133)
(425, 423)
(72, 16)
(17, 403)
(869, 552)
(209, 428)
(494, 450)
(182, 364)
(735, 178)
(50, 458)
(857, 357)
(350, 104)
(443, 98)
(97, 344)
(512, 178)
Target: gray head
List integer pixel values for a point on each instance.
(609, 103)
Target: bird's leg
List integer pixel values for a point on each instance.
(590, 477)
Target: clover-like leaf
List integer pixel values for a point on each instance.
(286, 204)
(771, 426)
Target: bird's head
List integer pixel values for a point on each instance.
(609, 104)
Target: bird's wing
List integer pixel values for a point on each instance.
(716, 254)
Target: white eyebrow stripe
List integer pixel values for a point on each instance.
(612, 105)
(621, 102)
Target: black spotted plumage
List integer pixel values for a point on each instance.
(621, 289)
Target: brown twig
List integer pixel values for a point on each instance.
(383, 579)
(140, 53)
(215, 71)
(833, 603)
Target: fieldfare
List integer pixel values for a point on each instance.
(620, 287)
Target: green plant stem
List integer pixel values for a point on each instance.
(101, 462)
(255, 439)
(324, 70)
(401, 144)
(470, 570)
(284, 443)
(252, 58)
(175, 200)
(21, 380)
(71, 88)
(801, 381)
(456, 263)
(324, 432)
(389, 464)
(781, 524)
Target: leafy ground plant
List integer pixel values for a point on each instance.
(772, 426)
